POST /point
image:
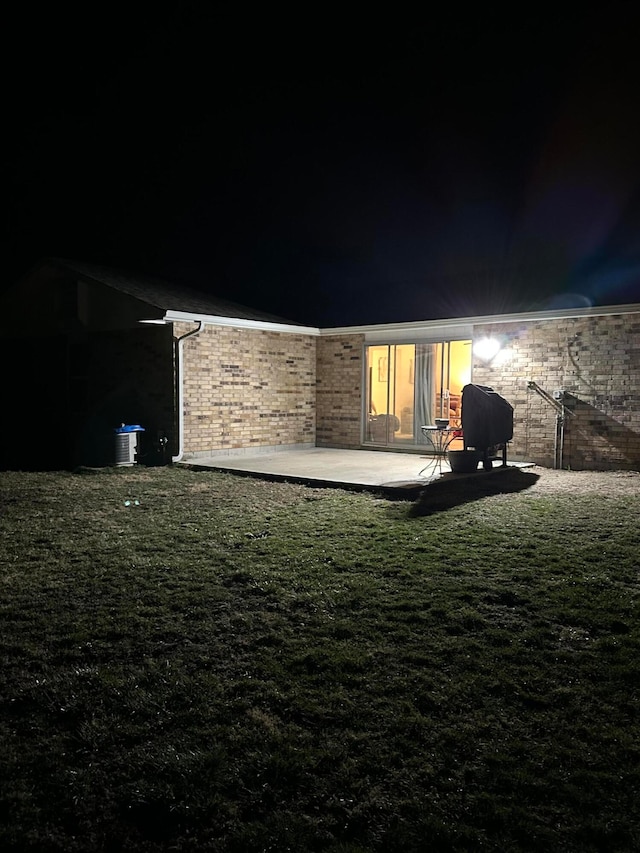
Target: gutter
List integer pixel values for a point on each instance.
(239, 323)
(433, 326)
(178, 349)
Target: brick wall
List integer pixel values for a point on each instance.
(596, 361)
(247, 389)
(339, 390)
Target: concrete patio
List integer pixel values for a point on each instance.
(361, 469)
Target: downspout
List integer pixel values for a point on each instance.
(178, 348)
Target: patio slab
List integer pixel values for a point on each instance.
(360, 469)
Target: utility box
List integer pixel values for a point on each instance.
(127, 443)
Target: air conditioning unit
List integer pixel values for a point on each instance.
(127, 444)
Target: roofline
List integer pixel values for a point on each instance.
(389, 328)
(487, 319)
(238, 323)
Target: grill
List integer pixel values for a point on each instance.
(487, 423)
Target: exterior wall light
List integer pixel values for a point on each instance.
(486, 349)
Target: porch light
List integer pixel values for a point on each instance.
(486, 349)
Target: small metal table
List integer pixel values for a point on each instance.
(440, 438)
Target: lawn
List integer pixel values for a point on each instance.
(208, 662)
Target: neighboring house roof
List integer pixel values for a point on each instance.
(162, 294)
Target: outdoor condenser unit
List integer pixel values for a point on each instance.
(127, 443)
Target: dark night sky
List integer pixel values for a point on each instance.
(333, 171)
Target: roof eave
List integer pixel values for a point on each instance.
(238, 323)
(486, 319)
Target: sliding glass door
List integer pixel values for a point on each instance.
(408, 385)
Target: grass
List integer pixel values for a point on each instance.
(201, 661)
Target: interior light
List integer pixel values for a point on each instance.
(486, 349)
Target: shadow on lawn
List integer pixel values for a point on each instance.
(449, 493)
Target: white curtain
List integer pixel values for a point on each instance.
(424, 388)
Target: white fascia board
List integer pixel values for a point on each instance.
(237, 323)
(557, 314)
(402, 331)
(454, 327)
(419, 332)
(459, 325)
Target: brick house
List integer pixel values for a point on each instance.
(88, 348)
(572, 377)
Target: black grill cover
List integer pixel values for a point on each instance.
(487, 418)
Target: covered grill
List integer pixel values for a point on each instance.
(487, 422)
